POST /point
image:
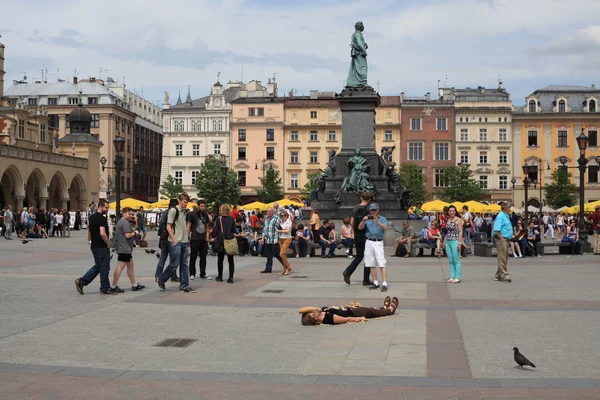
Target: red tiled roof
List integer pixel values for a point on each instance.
(390, 101)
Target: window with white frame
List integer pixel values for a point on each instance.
(502, 135)
(241, 135)
(388, 135)
(22, 129)
(95, 121)
(464, 134)
(179, 150)
(73, 101)
(483, 181)
(415, 151)
(314, 157)
(220, 125)
(214, 125)
(439, 177)
(503, 182)
(193, 126)
(464, 157)
(415, 124)
(242, 178)
(563, 138)
(194, 175)
(270, 134)
(294, 157)
(42, 133)
(241, 153)
(217, 148)
(441, 124)
(503, 157)
(532, 138)
(175, 126)
(442, 151)
(331, 136)
(294, 181)
(294, 137)
(179, 177)
(314, 136)
(270, 153)
(313, 114)
(483, 136)
(195, 149)
(483, 157)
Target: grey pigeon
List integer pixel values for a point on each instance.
(157, 255)
(147, 251)
(111, 256)
(25, 241)
(152, 251)
(521, 359)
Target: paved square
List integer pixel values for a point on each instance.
(452, 341)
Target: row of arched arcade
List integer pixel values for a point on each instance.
(42, 189)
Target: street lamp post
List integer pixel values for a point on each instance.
(119, 166)
(513, 181)
(526, 181)
(582, 143)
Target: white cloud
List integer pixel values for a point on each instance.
(412, 44)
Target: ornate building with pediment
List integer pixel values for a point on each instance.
(545, 129)
(483, 138)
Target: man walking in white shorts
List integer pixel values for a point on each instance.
(375, 226)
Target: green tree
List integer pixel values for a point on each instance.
(170, 189)
(413, 179)
(271, 187)
(310, 185)
(216, 188)
(460, 185)
(561, 192)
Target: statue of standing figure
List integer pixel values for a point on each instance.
(357, 76)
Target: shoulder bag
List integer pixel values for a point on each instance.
(230, 245)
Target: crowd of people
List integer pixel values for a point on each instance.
(33, 223)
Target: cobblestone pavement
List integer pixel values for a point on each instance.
(445, 341)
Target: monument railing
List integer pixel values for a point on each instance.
(42, 156)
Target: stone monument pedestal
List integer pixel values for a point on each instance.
(358, 131)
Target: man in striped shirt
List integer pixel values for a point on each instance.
(270, 240)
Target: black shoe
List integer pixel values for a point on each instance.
(346, 277)
(175, 280)
(266, 271)
(384, 288)
(230, 280)
(117, 289)
(79, 286)
(367, 283)
(507, 280)
(188, 290)
(219, 279)
(205, 277)
(374, 286)
(161, 285)
(108, 292)
(137, 287)
(329, 256)
(323, 256)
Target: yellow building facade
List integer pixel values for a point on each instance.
(545, 129)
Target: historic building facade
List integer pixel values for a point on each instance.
(545, 129)
(112, 109)
(483, 138)
(427, 135)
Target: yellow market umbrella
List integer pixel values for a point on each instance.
(475, 206)
(571, 210)
(130, 202)
(435, 205)
(494, 208)
(286, 202)
(161, 204)
(458, 205)
(257, 205)
(591, 207)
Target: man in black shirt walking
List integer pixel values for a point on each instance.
(100, 246)
(359, 212)
(196, 227)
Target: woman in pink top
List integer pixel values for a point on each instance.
(434, 238)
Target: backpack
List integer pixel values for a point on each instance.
(163, 234)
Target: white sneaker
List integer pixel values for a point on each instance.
(347, 251)
(308, 256)
(297, 256)
(349, 256)
(520, 255)
(515, 256)
(192, 277)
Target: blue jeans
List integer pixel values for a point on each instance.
(332, 247)
(179, 255)
(359, 243)
(271, 250)
(164, 253)
(453, 258)
(467, 240)
(349, 243)
(101, 266)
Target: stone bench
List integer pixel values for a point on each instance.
(484, 249)
(563, 248)
(421, 246)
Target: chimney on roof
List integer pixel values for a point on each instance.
(314, 94)
(481, 89)
(428, 96)
(401, 97)
(74, 80)
(593, 86)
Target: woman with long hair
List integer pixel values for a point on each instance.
(224, 229)
(515, 242)
(452, 243)
(285, 240)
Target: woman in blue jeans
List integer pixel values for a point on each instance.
(452, 243)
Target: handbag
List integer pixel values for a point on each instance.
(565, 239)
(230, 245)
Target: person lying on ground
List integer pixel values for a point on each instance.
(346, 314)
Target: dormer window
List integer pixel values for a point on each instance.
(531, 105)
(562, 106)
(592, 106)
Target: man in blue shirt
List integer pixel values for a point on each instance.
(503, 230)
(375, 226)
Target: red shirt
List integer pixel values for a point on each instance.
(253, 221)
(235, 214)
(596, 217)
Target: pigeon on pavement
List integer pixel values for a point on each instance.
(147, 251)
(521, 359)
(25, 241)
(152, 251)
(157, 255)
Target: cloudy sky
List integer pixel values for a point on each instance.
(167, 45)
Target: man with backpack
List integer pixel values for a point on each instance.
(163, 244)
(197, 222)
(179, 246)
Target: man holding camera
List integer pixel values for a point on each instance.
(375, 226)
(124, 242)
